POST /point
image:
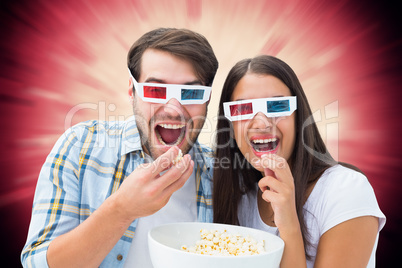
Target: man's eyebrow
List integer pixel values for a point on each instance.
(195, 82)
(154, 80)
(161, 81)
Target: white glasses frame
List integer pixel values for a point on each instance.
(260, 105)
(173, 91)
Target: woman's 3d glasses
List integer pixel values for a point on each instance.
(162, 93)
(271, 107)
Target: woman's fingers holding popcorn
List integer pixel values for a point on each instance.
(279, 166)
(270, 183)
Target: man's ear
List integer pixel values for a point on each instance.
(130, 90)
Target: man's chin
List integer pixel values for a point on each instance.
(159, 149)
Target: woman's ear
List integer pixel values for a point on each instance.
(231, 133)
(233, 143)
(231, 129)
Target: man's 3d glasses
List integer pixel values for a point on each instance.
(162, 93)
(271, 107)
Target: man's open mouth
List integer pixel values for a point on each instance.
(264, 145)
(170, 134)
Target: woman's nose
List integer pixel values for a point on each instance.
(261, 121)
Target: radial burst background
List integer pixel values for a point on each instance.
(63, 62)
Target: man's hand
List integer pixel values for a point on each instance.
(142, 193)
(145, 191)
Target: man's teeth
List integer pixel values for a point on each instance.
(264, 140)
(171, 126)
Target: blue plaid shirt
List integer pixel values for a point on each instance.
(87, 164)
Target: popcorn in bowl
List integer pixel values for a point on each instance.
(216, 243)
(165, 244)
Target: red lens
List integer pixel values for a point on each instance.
(240, 109)
(155, 92)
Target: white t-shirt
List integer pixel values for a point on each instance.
(339, 195)
(182, 207)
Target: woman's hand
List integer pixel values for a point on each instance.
(278, 189)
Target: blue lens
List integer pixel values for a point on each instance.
(192, 94)
(278, 106)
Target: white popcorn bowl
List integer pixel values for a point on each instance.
(165, 242)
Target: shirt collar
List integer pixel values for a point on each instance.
(131, 140)
(203, 157)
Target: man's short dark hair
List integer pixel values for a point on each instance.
(183, 43)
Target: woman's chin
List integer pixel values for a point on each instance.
(257, 166)
(256, 163)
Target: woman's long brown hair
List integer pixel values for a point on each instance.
(234, 176)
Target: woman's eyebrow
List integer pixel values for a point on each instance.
(276, 96)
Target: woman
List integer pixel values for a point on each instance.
(281, 178)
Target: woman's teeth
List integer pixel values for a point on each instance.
(264, 140)
(264, 145)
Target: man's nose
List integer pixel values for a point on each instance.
(173, 107)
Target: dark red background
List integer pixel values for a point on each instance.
(24, 117)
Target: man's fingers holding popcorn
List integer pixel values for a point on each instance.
(166, 160)
(146, 186)
(176, 171)
(183, 170)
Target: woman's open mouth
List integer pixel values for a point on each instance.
(170, 134)
(264, 145)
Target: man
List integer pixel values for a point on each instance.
(105, 184)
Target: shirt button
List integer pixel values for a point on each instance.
(119, 257)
